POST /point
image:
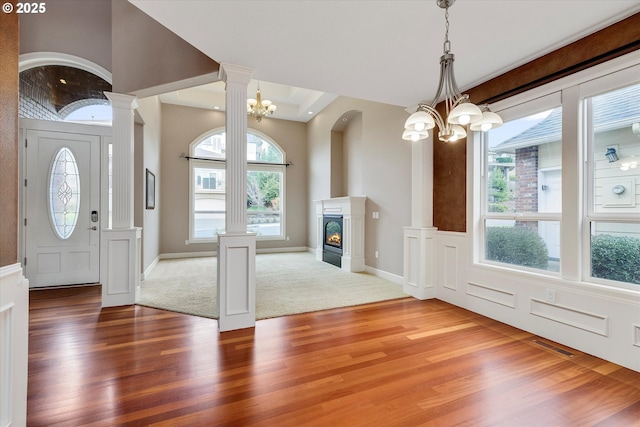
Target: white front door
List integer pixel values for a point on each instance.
(62, 227)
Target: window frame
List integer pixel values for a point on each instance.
(219, 163)
(609, 83)
(515, 112)
(576, 216)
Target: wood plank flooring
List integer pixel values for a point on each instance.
(396, 363)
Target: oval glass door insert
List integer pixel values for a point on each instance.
(64, 193)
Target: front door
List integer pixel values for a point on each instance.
(62, 226)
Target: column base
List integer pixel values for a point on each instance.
(236, 281)
(419, 258)
(120, 265)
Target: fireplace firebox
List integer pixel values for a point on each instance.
(333, 239)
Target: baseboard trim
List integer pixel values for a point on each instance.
(384, 275)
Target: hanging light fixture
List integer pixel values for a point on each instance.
(459, 109)
(259, 107)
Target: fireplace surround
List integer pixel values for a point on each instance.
(347, 212)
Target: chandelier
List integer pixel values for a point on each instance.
(460, 111)
(259, 107)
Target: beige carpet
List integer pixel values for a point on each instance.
(286, 283)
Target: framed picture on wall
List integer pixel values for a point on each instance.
(151, 190)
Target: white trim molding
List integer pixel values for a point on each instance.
(14, 338)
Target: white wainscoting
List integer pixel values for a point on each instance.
(14, 336)
(599, 320)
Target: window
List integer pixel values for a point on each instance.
(523, 190)
(560, 186)
(64, 193)
(265, 187)
(613, 223)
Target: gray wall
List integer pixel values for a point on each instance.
(377, 164)
(180, 127)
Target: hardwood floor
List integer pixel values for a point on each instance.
(396, 363)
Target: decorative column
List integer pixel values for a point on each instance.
(236, 247)
(120, 245)
(419, 244)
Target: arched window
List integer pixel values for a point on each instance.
(265, 187)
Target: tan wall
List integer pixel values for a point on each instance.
(150, 112)
(146, 54)
(180, 127)
(79, 28)
(380, 163)
(9, 138)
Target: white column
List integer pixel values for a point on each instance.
(120, 246)
(14, 351)
(236, 248)
(419, 243)
(122, 159)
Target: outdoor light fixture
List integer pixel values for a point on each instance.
(611, 154)
(459, 110)
(259, 107)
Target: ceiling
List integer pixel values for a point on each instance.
(380, 50)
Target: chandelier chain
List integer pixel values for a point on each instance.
(447, 43)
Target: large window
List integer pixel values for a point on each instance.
(265, 187)
(613, 222)
(532, 168)
(523, 189)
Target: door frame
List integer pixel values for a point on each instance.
(103, 132)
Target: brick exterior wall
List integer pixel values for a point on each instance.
(527, 183)
(34, 100)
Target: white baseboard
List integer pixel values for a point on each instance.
(151, 267)
(187, 254)
(385, 275)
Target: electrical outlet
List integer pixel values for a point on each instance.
(376, 254)
(550, 296)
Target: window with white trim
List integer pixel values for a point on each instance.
(612, 132)
(265, 187)
(523, 187)
(577, 148)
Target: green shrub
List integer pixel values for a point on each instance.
(615, 258)
(516, 245)
(497, 207)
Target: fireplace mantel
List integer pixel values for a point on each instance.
(352, 209)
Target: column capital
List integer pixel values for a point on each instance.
(121, 100)
(231, 73)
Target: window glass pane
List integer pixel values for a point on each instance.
(615, 131)
(615, 251)
(261, 150)
(208, 202)
(264, 214)
(213, 147)
(64, 193)
(524, 165)
(533, 244)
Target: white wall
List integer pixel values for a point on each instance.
(604, 322)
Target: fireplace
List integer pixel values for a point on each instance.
(332, 246)
(340, 232)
